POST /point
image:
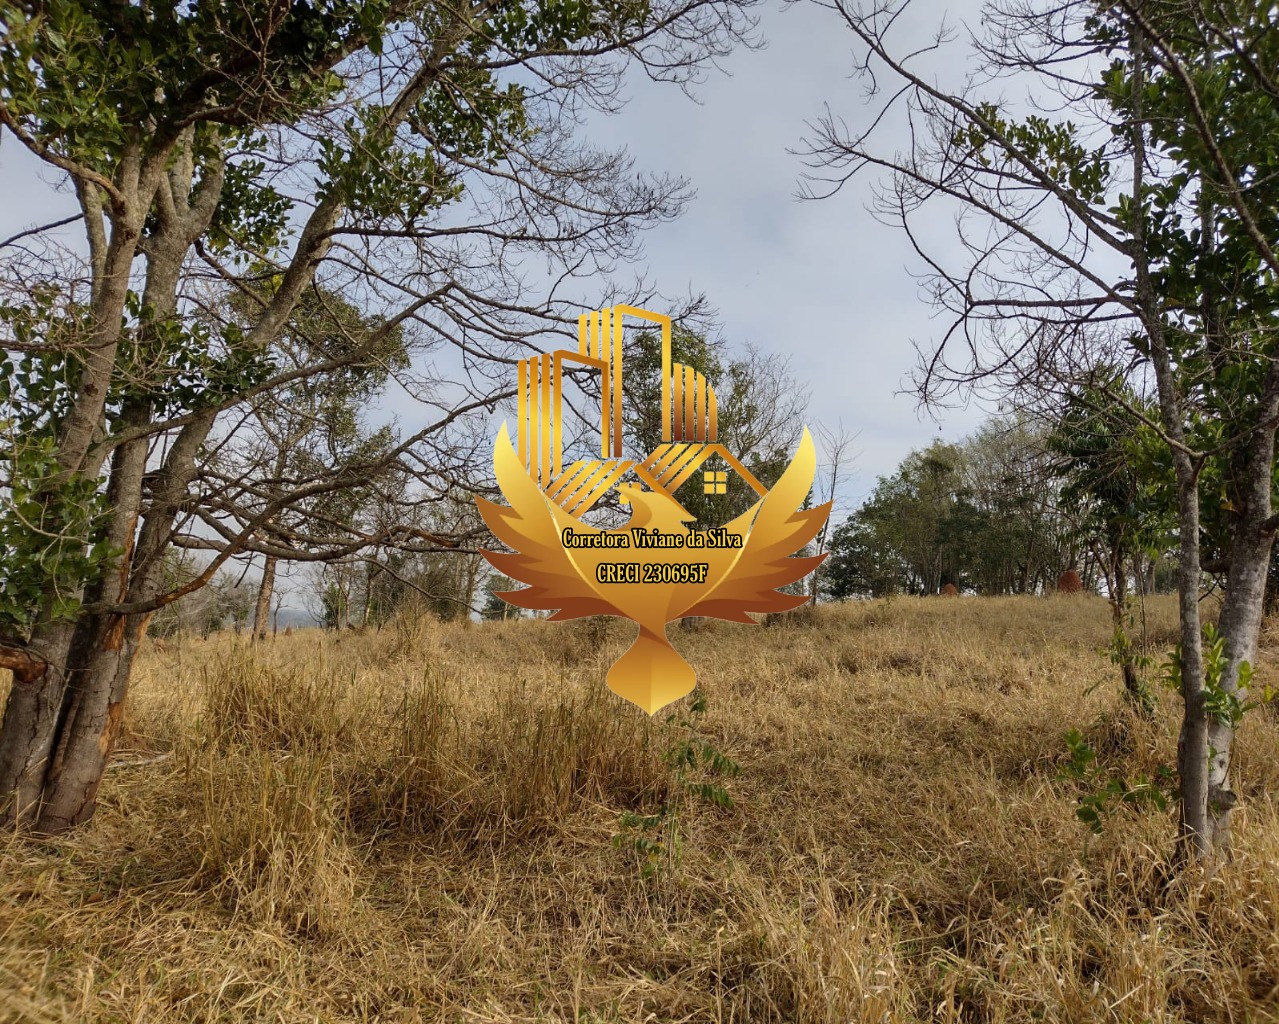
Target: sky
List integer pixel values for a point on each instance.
(822, 281)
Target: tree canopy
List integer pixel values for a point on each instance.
(273, 198)
(1124, 213)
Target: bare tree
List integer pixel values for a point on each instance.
(837, 445)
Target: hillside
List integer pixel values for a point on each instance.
(388, 827)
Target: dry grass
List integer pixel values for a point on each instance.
(418, 825)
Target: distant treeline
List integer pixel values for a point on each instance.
(1001, 512)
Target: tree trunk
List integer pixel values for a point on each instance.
(40, 717)
(472, 583)
(30, 724)
(91, 724)
(58, 731)
(1239, 624)
(1252, 537)
(1195, 834)
(262, 613)
(1139, 573)
(1134, 690)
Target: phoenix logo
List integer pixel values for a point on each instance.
(661, 564)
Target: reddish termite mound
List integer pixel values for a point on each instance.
(1069, 582)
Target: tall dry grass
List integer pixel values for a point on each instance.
(419, 825)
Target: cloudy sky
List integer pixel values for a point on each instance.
(823, 281)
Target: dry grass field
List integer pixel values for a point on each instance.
(420, 825)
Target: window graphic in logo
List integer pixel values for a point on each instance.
(661, 564)
(715, 483)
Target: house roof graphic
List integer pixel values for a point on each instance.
(672, 464)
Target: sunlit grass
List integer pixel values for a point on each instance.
(418, 824)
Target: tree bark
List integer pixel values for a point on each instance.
(91, 724)
(30, 725)
(1239, 624)
(1194, 833)
(101, 659)
(262, 613)
(58, 732)
(1139, 573)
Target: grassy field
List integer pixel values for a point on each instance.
(460, 823)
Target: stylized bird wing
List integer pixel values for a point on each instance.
(532, 527)
(778, 526)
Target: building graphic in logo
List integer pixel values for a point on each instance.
(690, 432)
(661, 565)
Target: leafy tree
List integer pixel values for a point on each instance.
(395, 153)
(494, 606)
(860, 564)
(1017, 540)
(1129, 214)
(1122, 512)
(203, 611)
(377, 584)
(982, 514)
(443, 584)
(901, 539)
